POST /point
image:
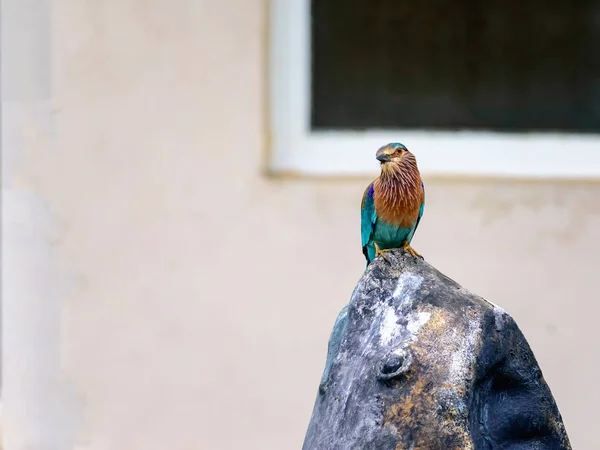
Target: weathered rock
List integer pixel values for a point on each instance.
(417, 362)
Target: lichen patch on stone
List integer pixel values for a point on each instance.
(416, 321)
(406, 287)
(389, 326)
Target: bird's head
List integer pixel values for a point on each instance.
(395, 157)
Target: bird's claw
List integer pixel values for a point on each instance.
(412, 251)
(381, 252)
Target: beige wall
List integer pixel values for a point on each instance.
(191, 298)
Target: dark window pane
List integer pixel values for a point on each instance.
(507, 65)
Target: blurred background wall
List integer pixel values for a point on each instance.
(160, 292)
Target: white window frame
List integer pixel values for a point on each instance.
(297, 149)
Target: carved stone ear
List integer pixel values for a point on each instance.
(394, 364)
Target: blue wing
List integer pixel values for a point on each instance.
(421, 209)
(368, 217)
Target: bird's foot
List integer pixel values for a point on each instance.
(381, 252)
(411, 250)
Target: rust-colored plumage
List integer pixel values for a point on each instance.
(398, 191)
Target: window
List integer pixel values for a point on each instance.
(498, 88)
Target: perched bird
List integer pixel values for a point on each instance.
(393, 204)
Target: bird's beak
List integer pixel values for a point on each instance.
(383, 157)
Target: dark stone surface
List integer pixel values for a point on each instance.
(417, 362)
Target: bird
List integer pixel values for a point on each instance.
(393, 204)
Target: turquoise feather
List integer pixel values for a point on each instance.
(374, 229)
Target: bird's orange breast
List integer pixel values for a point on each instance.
(398, 203)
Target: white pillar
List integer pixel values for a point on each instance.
(36, 411)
